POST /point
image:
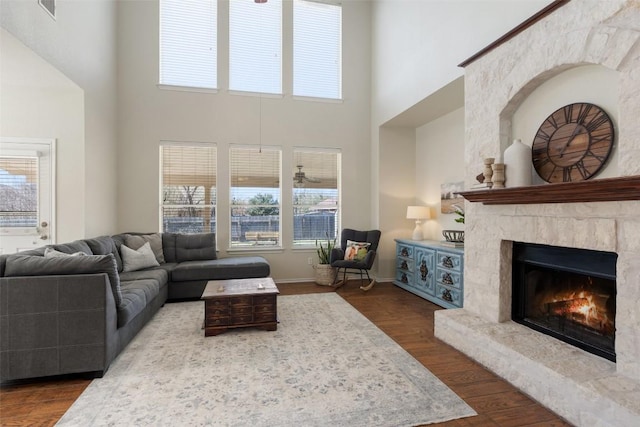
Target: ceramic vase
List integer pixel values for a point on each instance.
(517, 160)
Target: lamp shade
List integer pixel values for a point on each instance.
(418, 212)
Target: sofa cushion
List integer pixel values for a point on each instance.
(105, 245)
(135, 241)
(30, 265)
(136, 295)
(221, 269)
(72, 247)
(169, 246)
(195, 247)
(158, 274)
(133, 260)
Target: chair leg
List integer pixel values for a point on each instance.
(371, 282)
(337, 284)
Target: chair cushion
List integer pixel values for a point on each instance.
(221, 269)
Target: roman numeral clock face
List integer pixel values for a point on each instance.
(573, 143)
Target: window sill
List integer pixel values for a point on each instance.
(256, 248)
(187, 88)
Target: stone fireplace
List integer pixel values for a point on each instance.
(584, 388)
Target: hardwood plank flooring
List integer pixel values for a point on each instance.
(406, 318)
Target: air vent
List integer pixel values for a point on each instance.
(49, 6)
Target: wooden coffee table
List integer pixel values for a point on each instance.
(240, 303)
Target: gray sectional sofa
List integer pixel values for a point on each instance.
(72, 308)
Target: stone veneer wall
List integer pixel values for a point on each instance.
(582, 32)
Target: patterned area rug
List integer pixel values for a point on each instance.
(325, 365)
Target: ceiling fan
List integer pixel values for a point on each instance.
(300, 177)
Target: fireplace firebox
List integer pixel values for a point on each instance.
(566, 293)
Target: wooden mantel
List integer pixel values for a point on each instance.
(597, 190)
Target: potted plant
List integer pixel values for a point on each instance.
(324, 272)
(455, 235)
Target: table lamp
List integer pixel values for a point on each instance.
(418, 213)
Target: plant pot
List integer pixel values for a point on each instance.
(324, 274)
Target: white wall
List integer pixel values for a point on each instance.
(80, 43)
(418, 44)
(148, 115)
(440, 159)
(37, 101)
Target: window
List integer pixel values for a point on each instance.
(255, 196)
(255, 46)
(316, 195)
(19, 190)
(188, 185)
(188, 43)
(317, 49)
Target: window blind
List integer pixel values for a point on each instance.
(188, 188)
(255, 196)
(316, 195)
(255, 46)
(18, 191)
(188, 43)
(317, 49)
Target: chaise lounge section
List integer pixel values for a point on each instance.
(72, 308)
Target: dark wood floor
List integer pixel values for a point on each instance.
(403, 316)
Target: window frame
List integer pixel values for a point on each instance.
(212, 206)
(264, 243)
(310, 243)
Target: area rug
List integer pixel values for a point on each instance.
(326, 365)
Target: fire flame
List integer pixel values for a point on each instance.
(581, 308)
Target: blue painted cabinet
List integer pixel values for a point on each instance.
(430, 270)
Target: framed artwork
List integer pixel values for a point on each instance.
(448, 198)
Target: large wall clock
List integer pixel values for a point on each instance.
(573, 143)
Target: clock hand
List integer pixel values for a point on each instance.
(576, 131)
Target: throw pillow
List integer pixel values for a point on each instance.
(52, 253)
(356, 251)
(133, 260)
(135, 241)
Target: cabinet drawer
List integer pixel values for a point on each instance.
(264, 317)
(405, 265)
(450, 261)
(218, 312)
(449, 278)
(268, 308)
(404, 277)
(218, 321)
(264, 299)
(240, 320)
(450, 295)
(241, 300)
(242, 310)
(405, 251)
(217, 304)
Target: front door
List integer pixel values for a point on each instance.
(27, 183)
